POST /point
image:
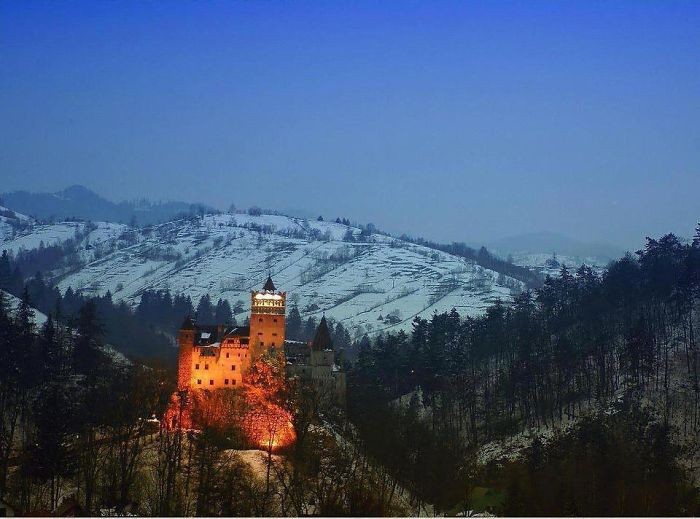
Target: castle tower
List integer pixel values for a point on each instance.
(185, 341)
(267, 315)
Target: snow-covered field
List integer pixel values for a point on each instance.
(228, 255)
(9, 219)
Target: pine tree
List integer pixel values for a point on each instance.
(293, 325)
(87, 357)
(205, 310)
(5, 272)
(309, 329)
(223, 313)
(50, 351)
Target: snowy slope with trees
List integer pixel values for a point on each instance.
(370, 282)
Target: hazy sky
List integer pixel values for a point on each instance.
(449, 120)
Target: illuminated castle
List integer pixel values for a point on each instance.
(216, 357)
(213, 357)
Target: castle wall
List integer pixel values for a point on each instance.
(266, 331)
(219, 366)
(184, 365)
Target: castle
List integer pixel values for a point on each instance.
(219, 356)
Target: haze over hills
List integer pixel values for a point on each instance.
(82, 203)
(79, 202)
(540, 242)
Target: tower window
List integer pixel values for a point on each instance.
(260, 333)
(199, 381)
(260, 320)
(196, 366)
(206, 366)
(233, 382)
(274, 320)
(274, 335)
(233, 367)
(211, 382)
(227, 355)
(226, 381)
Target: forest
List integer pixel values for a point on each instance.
(619, 345)
(578, 398)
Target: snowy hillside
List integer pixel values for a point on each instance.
(58, 233)
(12, 222)
(378, 284)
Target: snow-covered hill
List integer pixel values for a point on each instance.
(377, 284)
(12, 223)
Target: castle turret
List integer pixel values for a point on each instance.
(267, 316)
(185, 341)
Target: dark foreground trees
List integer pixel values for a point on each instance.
(73, 419)
(577, 345)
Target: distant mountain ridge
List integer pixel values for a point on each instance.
(549, 242)
(82, 203)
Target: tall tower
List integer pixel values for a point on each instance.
(185, 339)
(267, 314)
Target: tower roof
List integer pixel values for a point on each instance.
(188, 324)
(269, 285)
(322, 339)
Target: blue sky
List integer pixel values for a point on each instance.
(455, 121)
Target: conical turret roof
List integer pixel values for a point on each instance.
(322, 339)
(269, 285)
(188, 324)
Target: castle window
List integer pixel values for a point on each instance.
(233, 367)
(274, 320)
(260, 320)
(274, 335)
(226, 381)
(233, 382)
(206, 366)
(199, 381)
(227, 355)
(196, 366)
(260, 333)
(273, 344)
(211, 382)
